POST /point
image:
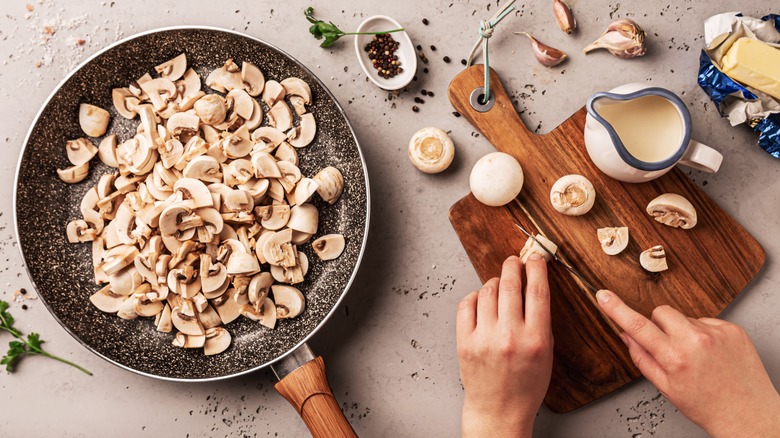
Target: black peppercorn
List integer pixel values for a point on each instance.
(415, 109)
(433, 48)
(447, 59)
(425, 21)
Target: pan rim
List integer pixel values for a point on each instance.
(256, 40)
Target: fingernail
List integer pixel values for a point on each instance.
(603, 296)
(512, 258)
(535, 256)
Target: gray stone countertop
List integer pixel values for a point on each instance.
(390, 349)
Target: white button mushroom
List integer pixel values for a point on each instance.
(573, 195)
(673, 210)
(654, 259)
(431, 150)
(496, 179)
(613, 239)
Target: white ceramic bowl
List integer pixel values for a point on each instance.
(406, 53)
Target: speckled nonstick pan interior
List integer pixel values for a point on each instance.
(62, 272)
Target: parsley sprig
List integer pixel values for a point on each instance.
(29, 346)
(331, 32)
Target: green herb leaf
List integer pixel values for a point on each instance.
(320, 29)
(22, 347)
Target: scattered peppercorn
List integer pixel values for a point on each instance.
(24, 306)
(423, 92)
(381, 51)
(463, 61)
(456, 114)
(433, 48)
(430, 94)
(418, 100)
(23, 291)
(419, 47)
(447, 59)
(425, 21)
(423, 58)
(425, 70)
(415, 109)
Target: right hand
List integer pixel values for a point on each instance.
(708, 368)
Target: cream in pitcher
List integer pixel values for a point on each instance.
(636, 133)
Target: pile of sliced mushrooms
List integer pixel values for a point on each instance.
(202, 199)
(574, 195)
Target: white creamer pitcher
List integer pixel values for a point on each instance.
(636, 133)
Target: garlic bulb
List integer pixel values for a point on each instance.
(623, 38)
(546, 55)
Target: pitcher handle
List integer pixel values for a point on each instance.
(699, 156)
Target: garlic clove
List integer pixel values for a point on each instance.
(563, 16)
(623, 38)
(546, 55)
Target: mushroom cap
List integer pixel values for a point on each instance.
(573, 195)
(74, 174)
(259, 287)
(93, 119)
(297, 87)
(211, 109)
(673, 210)
(268, 134)
(107, 151)
(280, 116)
(173, 69)
(272, 93)
(80, 151)
(496, 179)
(330, 184)
(106, 300)
(431, 150)
(194, 193)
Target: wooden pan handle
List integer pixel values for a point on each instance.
(307, 389)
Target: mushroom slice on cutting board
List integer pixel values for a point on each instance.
(329, 246)
(673, 210)
(613, 239)
(533, 247)
(573, 195)
(654, 259)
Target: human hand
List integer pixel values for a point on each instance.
(505, 351)
(708, 368)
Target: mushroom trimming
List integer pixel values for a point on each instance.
(204, 209)
(535, 247)
(673, 210)
(573, 195)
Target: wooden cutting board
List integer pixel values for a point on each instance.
(709, 265)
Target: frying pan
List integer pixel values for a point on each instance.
(62, 272)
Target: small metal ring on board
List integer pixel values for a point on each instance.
(479, 106)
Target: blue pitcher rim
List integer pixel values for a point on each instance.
(621, 148)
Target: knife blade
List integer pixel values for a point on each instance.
(564, 264)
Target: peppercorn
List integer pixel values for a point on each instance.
(425, 21)
(433, 48)
(415, 109)
(447, 59)
(463, 61)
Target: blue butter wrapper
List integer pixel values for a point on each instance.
(718, 86)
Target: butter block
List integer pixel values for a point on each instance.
(754, 63)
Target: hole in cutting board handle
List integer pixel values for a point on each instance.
(477, 96)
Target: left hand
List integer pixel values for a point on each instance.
(505, 351)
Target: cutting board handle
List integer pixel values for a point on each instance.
(308, 390)
(499, 123)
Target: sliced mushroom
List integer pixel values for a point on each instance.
(304, 190)
(257, 116)
(145, 306)
(183, 124)
(193, 193)
(93, 120)
(268, 314)
(176, 219)
(304, 218)
(329, 246)
(171, 152)
(118, 258)
(613, 239)
(573, 195)
(289, 301)
(217, 341)
(259, 287)
(80, 151)
(268, 135)
(191, 83)
(238, 172)
(209, 317)
(204, 168)
(280, 116)
(303, 134)
(237, 144)
(183, 340)
(273, 92)
(253, 78)
(533, 247)
(290, 175)
(173, 69)
(654, 259)
(125, 281)
(242, 263)
(673, 210)
(226, 306)
(124, 102)
(187, 324)
(107, 151)
(127, 308)
(330, 184)
(285, 152)
(241, 103)
(277, 249)
(297, 90)
(160, 92)
(106, 300)
(165, 324)
(74, 174)
(273, 217)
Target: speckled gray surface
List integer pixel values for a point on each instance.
(390, 347)
(62, 272)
